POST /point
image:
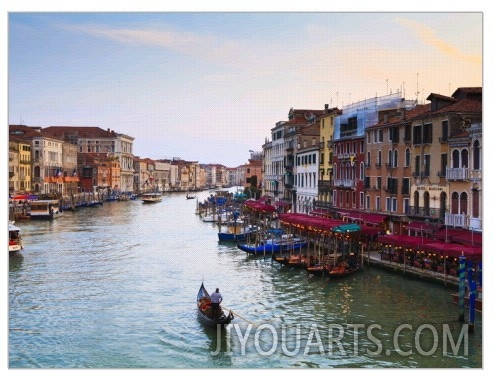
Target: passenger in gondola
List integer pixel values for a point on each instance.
(216, 299)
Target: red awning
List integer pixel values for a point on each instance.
(401, 240)
(365, 217)
(259, 206)
(454, 250)
(419, 226)
(468, 237)
(308, 222)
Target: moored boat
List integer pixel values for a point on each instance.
(15, 239)
(45, 209)
(237, 232)
(342, 270)
(151, 197)
(273, 246)
(205, 313)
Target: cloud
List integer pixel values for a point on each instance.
(430, 38)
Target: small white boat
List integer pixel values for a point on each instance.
(214, 218)
(45, 209)
(151, 197)
(15, 239)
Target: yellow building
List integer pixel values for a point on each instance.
(326, 132)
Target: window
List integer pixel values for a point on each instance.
(444, 130)
(475, 203)
(417, 135)
(464, 158)
(456, 159)
(427, 134)
(476, 155)
(405, 186)
(427, 165)
(406, 205)
(408, 132)
(463, 203)
(444, 164)
(378, 183)
(378, 203)
(407, 157)
(417, 165)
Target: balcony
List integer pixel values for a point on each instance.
(378, 165)
(457, 174)
(324, 185)
(390, 166)
(441, 174)
(349, 183)
(423, 211)
(459, 220)
(443, 140)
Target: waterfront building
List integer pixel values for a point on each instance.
(98, 172)
(388, 164)
(97, 140)
(14, 181)
(447, 166)
(145, 179)
(162, 172)
(273, 163)
(298, 120)
(324, 201)
(253, 171)
(350, 179)
(19, 165)
(307, 167)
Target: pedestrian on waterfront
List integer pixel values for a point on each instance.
(216, 299)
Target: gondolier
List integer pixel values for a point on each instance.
(216, 299)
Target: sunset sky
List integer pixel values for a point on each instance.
(209, 86)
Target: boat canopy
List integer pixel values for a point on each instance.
(346, 228)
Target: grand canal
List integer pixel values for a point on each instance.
(115, 287)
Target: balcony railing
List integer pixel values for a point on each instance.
(460, 220)
(344, 182)
(423, 211)
(457, 174)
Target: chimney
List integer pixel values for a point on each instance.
(326, 107)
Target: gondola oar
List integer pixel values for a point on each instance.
(237, 315)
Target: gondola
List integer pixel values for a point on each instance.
(204, 312)
(342, 270)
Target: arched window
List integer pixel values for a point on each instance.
(456, 159)
(362, 171)
(395, 158)
(390, 157)
(426, 203)
(379, 159)
(464, 203)
(455, 203)
(476, 155)
(37, 171)
(416, 202)
(464, 158)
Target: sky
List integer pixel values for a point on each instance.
(209, 85)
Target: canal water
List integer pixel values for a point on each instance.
(115, 287)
